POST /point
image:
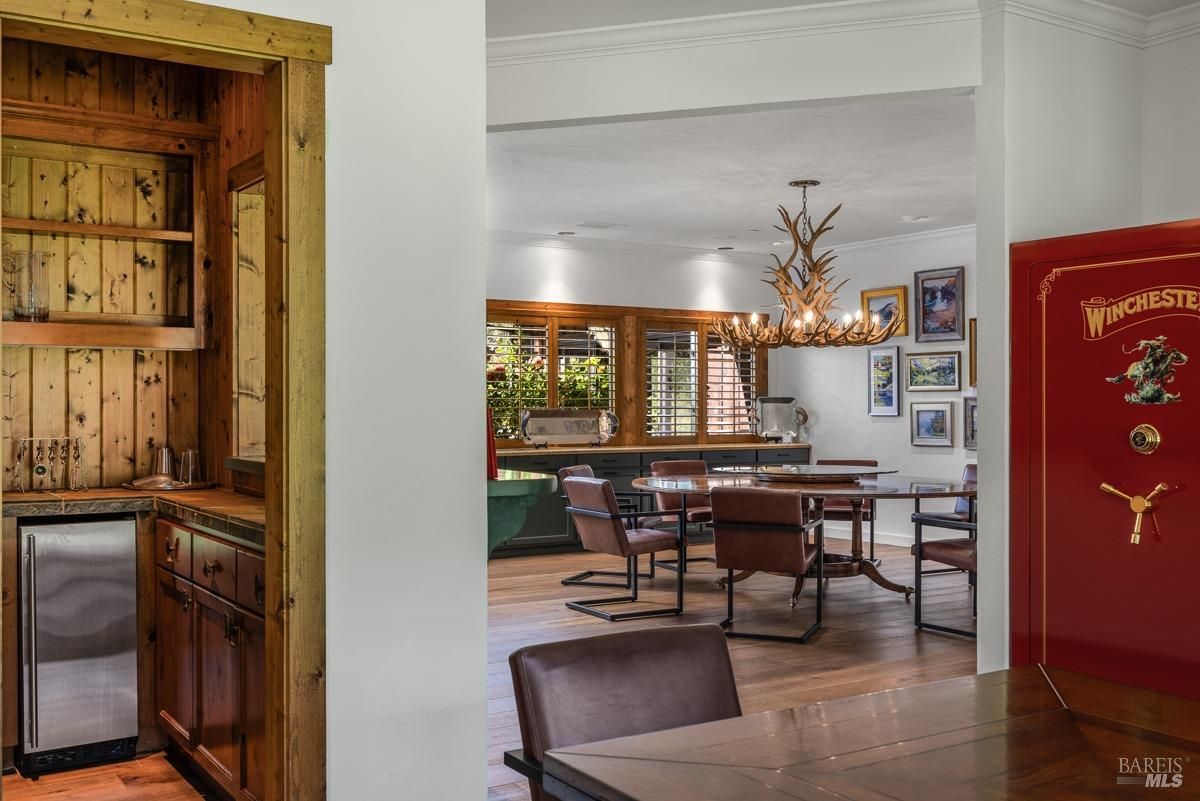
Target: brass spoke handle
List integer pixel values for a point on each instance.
(1140, 505)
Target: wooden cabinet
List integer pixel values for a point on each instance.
(253, 784)
(175, 657)
(218, 689)
(211, 661)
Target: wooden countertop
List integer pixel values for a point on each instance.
(708, 446)
(222, 511)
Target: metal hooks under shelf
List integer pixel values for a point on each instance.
(56, 461)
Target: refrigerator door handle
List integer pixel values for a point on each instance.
(31, 659)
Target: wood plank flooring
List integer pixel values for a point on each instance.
(867, 644)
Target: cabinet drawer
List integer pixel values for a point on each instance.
(650, 458)
(173, 548)
(251, 581)
(784, 456)
(214, 567)
(730, 457)
(602, 460)
(540, 464)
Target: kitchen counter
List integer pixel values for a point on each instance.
(707, 446)
(227, 514)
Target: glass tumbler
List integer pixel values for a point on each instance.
(28, 279)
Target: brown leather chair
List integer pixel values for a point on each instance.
(840, 509)
(602, 529)
(697, 506)
(626, 502)
(617, 685)
(959, 553)
(767, 530)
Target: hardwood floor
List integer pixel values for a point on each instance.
(149, 778)
(867, 642)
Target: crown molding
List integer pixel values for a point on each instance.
(839, 16)
(1172, 25)
(907, 240)
(611, 246)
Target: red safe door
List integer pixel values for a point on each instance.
(1106, 391)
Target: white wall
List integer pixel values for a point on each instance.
(1171, 108)
(406, 585)
(562, 270)
(1060, 152)
(831, 50)
(831, 384)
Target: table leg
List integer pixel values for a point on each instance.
(867, 567)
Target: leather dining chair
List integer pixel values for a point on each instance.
(959, 553)
(602, 529)
(626, 502)
(840, 509)
(698, 509)
(767, 531)
(617, 685)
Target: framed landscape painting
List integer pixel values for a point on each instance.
(932, 424)
(883, 382)
(887, 303)
(972, 365)
(970, 423)
(939, 295)
(934, 372)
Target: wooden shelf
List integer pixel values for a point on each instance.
(118, 336)
(86, 229)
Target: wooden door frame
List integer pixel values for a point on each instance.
(292, 57)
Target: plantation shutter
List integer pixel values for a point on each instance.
(730, 382)
(586, 366)
(672, 381)
(517, 372)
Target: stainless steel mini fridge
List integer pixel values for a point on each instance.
(78, 643)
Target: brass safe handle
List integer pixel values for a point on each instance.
(1140, 505)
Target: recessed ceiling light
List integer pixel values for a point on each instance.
(725, 247)
(915, 218)
(566, 233)
(777, 242)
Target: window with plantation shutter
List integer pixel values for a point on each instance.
(730, 388)
(672, 381)
(586, 364)
(517, 372)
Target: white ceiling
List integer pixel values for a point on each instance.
(705, 182)
(526, 17)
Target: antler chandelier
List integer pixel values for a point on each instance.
(805, 295)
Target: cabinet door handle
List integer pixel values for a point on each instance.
(231, 631)
(172, 549)
(260, 590)
(211, 567)
(187, 603)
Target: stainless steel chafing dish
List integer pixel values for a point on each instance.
(542, 427)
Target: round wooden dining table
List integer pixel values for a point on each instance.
(874, 488)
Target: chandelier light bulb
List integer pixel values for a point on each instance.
(736, 321)
(858, 315)
(754, 319)
(846, 320)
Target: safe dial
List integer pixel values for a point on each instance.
(1145, 439)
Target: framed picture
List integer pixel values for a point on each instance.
(970, 423)
(887, 303)
(939, 295)
(934, 372)
(972, 375)
(932, 424)
(883, 381)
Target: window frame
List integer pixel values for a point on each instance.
(629, 368)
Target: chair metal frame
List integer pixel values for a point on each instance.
(920, 521)
(816, 524)
(586, 606)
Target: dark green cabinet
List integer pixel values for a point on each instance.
(548, 527)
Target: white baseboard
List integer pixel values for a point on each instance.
(841, 531)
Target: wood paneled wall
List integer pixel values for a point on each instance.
(236, 104)
(250, 322)
(123, 403)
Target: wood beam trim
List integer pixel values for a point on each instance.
(295, 462)
(195, 26)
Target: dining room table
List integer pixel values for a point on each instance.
(818, 483)
(1029, 733)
